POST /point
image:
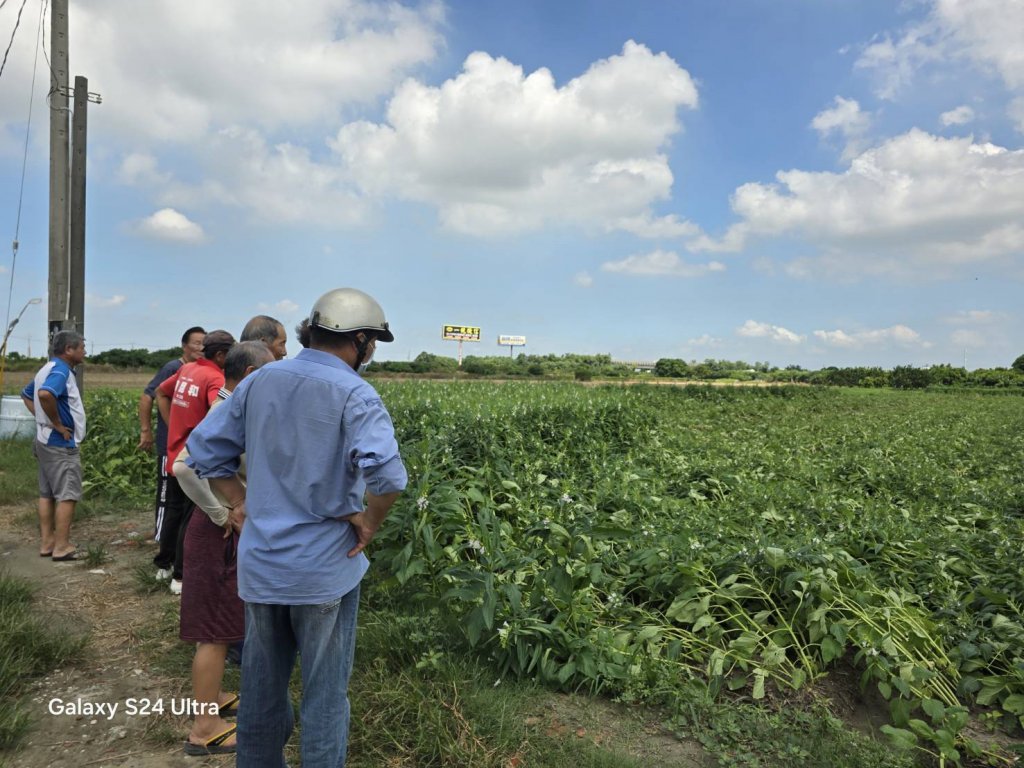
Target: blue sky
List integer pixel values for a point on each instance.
(812, 182)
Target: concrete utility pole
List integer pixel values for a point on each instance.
(76, 287)
(59, 176)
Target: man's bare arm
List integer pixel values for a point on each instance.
(163, 404)
(49, 405)
(145, 422)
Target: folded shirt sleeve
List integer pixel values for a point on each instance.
(370, 438)
(199, 490)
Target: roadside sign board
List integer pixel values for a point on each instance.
(460, 333)
(511, 341)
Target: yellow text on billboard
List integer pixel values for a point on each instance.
(460, 332)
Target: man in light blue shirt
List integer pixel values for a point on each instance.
(317, 440)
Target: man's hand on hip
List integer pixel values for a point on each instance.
(368, 522)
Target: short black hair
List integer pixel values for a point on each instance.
(189, 332)
(321, 338)
(243, 355)
(302, 333)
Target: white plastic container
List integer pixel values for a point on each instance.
(16, 421)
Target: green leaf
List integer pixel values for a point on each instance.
(921, 728)
(947, 745)
(775, 557)
(758, 692)
(704, 621)
(899, 711)
(475, 625)
(885, 689)
(989, 693)
(648, 633)
(830, 649)
(799, 678)
(900, 737)
(1014, 704)
(934, 710)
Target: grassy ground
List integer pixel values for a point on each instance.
(30, 645)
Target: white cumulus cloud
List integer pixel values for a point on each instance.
(847, 120)
(284, 307)
(916, 205)
(583, 279)
(897, 334)
(102, 302)
(986, 33)
(666, 263)
(498, 150)
(172, 225)
(755, 330)
(973, 317)
(705, 340)
(968, 338)
(959, 116)
(662, 228)
(249, 62)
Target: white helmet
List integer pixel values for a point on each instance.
(347, 309)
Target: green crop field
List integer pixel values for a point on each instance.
(679, 545)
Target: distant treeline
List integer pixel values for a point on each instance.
(588, 367)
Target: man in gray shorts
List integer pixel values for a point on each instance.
(54, 400)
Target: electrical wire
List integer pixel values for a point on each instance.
(17, 23)
(24, 165)
(53, 75)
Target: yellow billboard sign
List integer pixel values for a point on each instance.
(460, 333)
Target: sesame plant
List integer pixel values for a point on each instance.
(644, 540)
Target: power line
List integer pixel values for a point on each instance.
(24, 159)
(17, 23)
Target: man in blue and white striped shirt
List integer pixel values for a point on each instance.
(54, 400)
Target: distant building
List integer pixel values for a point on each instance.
(637, 366)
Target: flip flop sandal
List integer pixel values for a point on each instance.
(229, 708)
(46, 554)
(212, 746)
(72, 555)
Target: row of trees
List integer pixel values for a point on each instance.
(585, 367)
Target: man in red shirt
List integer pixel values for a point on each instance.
(183, 400)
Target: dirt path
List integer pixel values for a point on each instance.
(105, 602)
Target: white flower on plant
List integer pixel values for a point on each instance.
(422, 503)
(695, 544)
(476, 545)
(565, 499)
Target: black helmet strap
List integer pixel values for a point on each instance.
(361, 347)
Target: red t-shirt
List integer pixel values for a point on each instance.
(192, 390)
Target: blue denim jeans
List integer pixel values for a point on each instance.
(325, 637)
